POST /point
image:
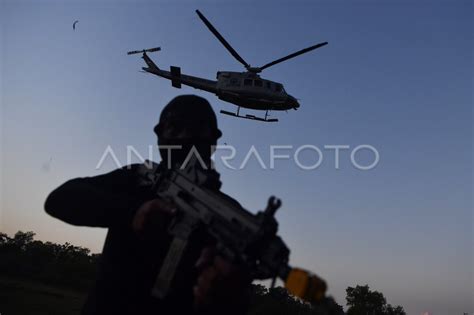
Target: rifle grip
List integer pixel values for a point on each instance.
(167, 272)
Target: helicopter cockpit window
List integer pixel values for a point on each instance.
(258, 83)
(248, 82)
(278, 87)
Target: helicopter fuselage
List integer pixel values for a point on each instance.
(244, 89)
(249, 90)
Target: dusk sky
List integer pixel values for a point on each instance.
(396, 75)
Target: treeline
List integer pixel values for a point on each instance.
(277, 301)
(75, 267)
(57, 264)
(66, 265)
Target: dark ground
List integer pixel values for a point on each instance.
(23, 297)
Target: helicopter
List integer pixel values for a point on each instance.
(243, 89)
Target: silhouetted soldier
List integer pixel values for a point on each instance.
(137, 239)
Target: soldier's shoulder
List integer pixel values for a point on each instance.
(146, 166)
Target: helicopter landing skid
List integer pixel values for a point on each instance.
(251, 117)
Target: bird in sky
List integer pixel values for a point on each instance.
(74, 24)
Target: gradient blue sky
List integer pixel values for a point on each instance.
(395, 75)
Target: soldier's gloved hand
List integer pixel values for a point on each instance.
(152, 218)
(222, 287)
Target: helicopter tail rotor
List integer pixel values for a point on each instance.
(133, 52)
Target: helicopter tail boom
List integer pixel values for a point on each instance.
(149, 62)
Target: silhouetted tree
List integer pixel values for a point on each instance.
(22, 256)
(22, 239)
(362, 301)
(398, 310)
(277, 301)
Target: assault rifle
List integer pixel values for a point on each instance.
(240, 236)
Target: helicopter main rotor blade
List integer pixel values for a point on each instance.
(222, 40)
(299, 52)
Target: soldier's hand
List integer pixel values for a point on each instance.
(221, 285)
(152, 218)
